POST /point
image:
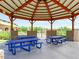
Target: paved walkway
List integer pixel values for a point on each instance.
(68, 50)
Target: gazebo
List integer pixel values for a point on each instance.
(40, 10)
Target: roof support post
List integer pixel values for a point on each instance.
(51, 23)
(11, 27)
(31, 25)
(11, 20)
(73, 19)
(32, 22)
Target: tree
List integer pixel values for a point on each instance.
(62, 31)
(38, 29)
(23, 28)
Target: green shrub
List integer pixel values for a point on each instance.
(62, 31)
(22, 29)
(4, 35)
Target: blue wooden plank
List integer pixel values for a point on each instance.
(25, 37)
(19, 41)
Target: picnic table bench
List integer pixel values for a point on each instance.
(56, 39)
(24, 44)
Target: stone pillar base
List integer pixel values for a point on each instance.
(32, 33)
(51, 33)
(69, 36)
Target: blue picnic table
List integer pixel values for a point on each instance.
(24, 44)
(56, 39)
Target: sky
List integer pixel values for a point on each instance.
(45, 24)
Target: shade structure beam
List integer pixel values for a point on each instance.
(77, 14)
(62, 6)
(51, 23)
(48, 9)
(11, 27)
(75, 5)
(70, 3)
(22, 6)
(73, 25)
(71, 18)
(11, 20)
(35, 10)
(32, 22)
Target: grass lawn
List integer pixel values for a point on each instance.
(3, 41)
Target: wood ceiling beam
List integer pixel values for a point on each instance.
(76, 14)
(43, 19)
(36, 19)
(48, 9)
(75, 5)
(1, 10)
(75, 10)
(35, 10)
(70, 3)
(22, 6)
(62, 6)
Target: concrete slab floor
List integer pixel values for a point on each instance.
(67, 50)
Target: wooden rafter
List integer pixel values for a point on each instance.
(25, 12)
(61, 5)
(1, 10)
(76, 14)
(59, 12)
(48, 9)
(35, 10)
(54, 7)
(75, 5)
(9, 4)
(56, 10)
(64, 1)
(70, 3)
(43, 19)
(22, 6)
(75, 10)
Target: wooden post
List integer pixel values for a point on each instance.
(73, 19)
(11, 27)
(11, 20)
(31, 25)
(51, 24)
(32, 22)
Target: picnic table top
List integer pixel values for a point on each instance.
(23, 40)
(56, 37)
(24, 37)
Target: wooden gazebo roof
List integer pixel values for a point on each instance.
(40, 9)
